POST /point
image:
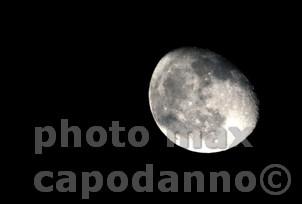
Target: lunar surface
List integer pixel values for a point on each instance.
(201, 101)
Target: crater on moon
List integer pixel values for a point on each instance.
(196, 98)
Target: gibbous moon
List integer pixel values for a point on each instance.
(201, 101)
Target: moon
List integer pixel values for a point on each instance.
(201, 101)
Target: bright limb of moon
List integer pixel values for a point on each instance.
(202, 102)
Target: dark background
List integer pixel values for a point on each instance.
(93, 69)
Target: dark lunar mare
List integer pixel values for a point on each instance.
(207, 61)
